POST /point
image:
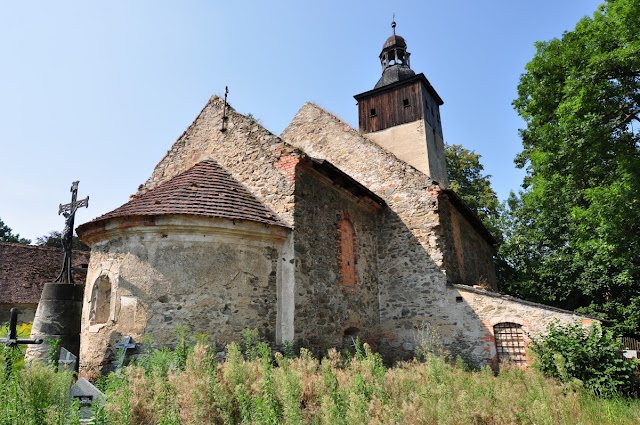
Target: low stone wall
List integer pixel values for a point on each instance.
(465, 318)
(26, 313)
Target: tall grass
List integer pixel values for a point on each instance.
(36, 394)
(255, 386)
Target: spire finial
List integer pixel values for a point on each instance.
(393, 23)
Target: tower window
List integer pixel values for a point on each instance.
(406, 103)
(373, 112)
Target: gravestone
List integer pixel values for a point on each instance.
(88, 396)
(67, 360)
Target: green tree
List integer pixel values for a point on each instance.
(464, 171)
(54, 239)
(6, 235)
(574, 239)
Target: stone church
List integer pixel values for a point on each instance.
(316, 236)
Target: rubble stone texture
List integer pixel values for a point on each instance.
(341, 239)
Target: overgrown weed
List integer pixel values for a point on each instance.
(255, 386)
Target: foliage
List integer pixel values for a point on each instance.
(54, 239)
(590, 355)
(6, 235)
(276, 389)
(574, 237)
(464, 171)
(37, 395)
(15, 355)
(303, 390)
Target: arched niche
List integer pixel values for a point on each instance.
(100, 301)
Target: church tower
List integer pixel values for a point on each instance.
(402, 112)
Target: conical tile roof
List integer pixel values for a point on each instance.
(205, 190)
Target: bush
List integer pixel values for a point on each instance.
(591, 355)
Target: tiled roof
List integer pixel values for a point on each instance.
(24, 269)
(206, 189)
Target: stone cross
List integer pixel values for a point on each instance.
(126, 344)
(69, 212)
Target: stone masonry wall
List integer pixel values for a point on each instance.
(410, 247)
(325, 309)
(467, 316)
(250, 153)
(212, 275)
(469, 258)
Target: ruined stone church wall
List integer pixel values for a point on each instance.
(251, 154)
(335, 247)
(469, 257)
(212, 275)
(410, 250)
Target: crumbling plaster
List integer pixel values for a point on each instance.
(212, 275)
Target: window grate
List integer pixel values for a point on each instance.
(510, 343)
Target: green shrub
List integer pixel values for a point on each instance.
(591, 355)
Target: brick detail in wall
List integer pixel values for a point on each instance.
(287, 165)
(347, 254)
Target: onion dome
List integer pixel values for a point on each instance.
(394, 59)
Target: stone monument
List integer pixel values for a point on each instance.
(60, 308)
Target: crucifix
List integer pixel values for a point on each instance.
(69, 212)
(12, 339)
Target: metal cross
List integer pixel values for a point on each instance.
(12, 339)
(224, 109)
(69, 212)
(126, 344)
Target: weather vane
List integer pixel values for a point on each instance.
(69, 212)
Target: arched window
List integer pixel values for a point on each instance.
(510, 344)
(347, 253)
(100, 301)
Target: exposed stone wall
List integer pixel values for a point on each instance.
(212, 275)
(468, 258)
(465, 318)
(410, 246)
(325, 309)
(250, 153)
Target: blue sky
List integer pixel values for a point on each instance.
(99, 91)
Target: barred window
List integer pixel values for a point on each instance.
(510, 343)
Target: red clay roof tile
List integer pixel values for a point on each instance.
(206, 189)
(24, 269)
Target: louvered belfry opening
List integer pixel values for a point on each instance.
(510, 344)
